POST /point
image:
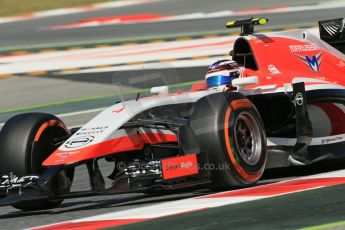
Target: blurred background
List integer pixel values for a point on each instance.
(72, 58)
(65, 56)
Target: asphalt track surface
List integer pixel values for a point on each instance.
(34, 32)
(28, 33)
(291, 211)
(263, 214)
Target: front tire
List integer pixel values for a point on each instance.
(26, 140)
(229, 129)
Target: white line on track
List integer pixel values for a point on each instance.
(119, 56)
(151, 66)
(202, 15)
(73, 114)
(209, 201)
(80, 112)
(115, 55)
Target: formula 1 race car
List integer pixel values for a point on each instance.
(287, 110)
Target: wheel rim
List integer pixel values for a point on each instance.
(247, 138)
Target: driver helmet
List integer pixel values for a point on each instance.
(221, 73)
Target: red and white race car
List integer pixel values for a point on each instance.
(287, 109)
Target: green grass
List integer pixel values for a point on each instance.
(18, 7)
(334, 225)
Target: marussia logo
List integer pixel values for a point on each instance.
(313, 62)
(79, 141)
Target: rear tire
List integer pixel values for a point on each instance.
(25, 142)
(229, 129)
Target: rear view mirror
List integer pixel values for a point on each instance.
(160, 90)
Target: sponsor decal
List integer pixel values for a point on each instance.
(67, 154)
(298, 99)
(91, 131)
(313, 62)
(258, 41)
(64, 155)
(179, 166)
(331, 140)
(79, 142)
(341, 64)
(303, 48)
(273, 69)
(119, 110)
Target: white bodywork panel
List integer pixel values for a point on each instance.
(105, 126)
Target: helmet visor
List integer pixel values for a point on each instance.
(221, 80)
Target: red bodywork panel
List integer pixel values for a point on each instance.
(279, 60)
(117, 145)
(179, 166)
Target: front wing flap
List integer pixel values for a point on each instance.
(167, 174)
